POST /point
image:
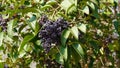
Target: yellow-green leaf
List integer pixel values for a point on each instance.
(82, 27)
(86, 10)
(74, 31)
(1, 38)
(25, 40)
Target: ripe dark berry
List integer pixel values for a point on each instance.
(51, 31)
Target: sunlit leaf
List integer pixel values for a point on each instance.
(91, 5)
(1, 37)
(82, 27)
(71, 9)
(68, 5)
(86, 10)
(76, 1)
(21, 53)
(10, 28)
(25, 40)
(64, 36)
(36, 28)
(74, 31)
(111, 1)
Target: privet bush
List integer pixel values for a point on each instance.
(59, 33)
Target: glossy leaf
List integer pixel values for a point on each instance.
(64, 52)
(78, 48)
(64, 36)
(74, 31)
(82, 27)
(62, 56)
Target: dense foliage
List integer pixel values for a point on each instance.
(59, 33)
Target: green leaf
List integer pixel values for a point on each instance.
(78, 49)
(21, 28)
(26, 48)
(46, 7)
(75, 55)
(32, 18)
(27, 3)
(82, 27)
(1, 65)
(86, 10)
(64, 36)
(63, 15)
(51, 2)
(76, 1)
(64, 52)
(94, 44)
(1, 38)
(10, 28)
(74, 31)
(111, 1)
(117, 26)
(71, 9)
(91, 5)
(28, 9)
(68, 5)
(21, 53)
(25, 40)
(59, 58)
(62, 55)
(32, 24)
(37, 27)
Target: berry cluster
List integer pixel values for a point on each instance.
(51, 31)
(3, 23)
